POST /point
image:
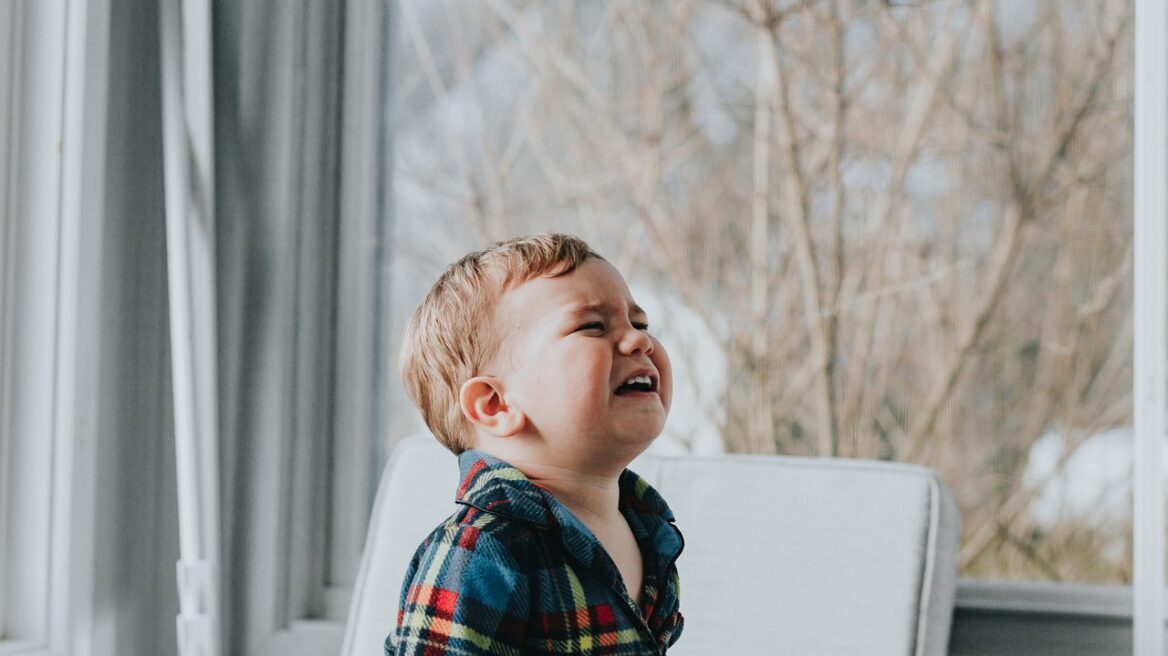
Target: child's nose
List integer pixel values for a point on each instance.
(635, 340)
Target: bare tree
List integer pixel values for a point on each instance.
(908, 226)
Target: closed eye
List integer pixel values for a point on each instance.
(596, 325)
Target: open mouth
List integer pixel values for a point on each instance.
(638, 384)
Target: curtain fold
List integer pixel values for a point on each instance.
(277, 67)
(136, 511)
(299, 305)
(301, 218)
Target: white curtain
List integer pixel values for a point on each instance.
(301, 219)
(301, 226)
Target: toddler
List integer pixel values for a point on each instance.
(531, 361)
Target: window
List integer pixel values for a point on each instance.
(906, 228)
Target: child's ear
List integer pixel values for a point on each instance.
(484, 404)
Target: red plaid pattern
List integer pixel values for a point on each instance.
(513, 572)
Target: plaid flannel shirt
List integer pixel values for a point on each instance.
(513, 571)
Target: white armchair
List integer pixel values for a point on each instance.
(783, 555)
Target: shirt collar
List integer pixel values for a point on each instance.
(497, 487)
(494, 486)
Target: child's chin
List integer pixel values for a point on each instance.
(642, 436)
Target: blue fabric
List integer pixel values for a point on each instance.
(513, 571)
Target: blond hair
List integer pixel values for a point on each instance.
(451, 334)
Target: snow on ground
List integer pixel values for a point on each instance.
(1095, 484)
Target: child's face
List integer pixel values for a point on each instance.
(562, 364)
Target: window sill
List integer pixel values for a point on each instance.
(305, 638)
(1074, 599)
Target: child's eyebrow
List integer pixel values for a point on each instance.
(605, 308)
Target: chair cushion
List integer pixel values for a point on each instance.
(783, 555)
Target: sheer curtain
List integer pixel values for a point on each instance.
(301, 226)
(299, 241)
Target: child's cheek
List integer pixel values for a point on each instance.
(585, 371)
(660, 358)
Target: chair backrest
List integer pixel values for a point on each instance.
(783, 555)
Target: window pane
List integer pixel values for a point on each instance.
(893, 232)
(6, 86)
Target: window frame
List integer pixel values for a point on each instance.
(31, 175)
(9, 48)
(51, 148)
(1027, 604)
(1150, 278)
(76, 194)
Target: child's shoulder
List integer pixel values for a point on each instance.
(470, 530)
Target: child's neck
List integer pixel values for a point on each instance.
(587, 486)
(591, 496)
